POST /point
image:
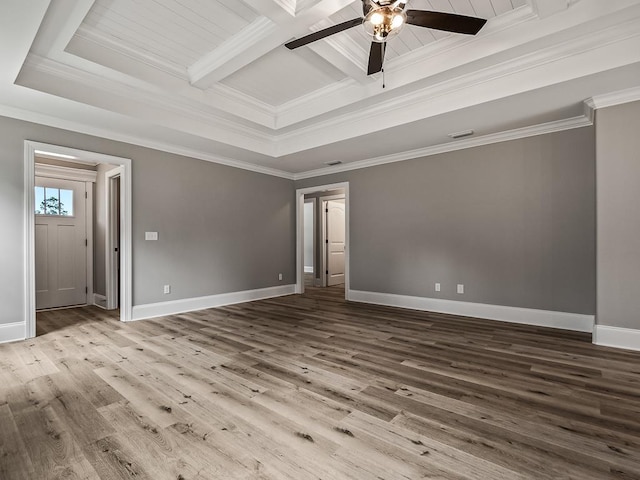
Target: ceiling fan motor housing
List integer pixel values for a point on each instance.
(383, 19)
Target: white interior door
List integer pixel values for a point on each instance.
(335, 241)
(60, 243)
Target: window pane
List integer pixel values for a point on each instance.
(52, 200)
(66, 203)
(40, 201)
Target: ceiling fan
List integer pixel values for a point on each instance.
(383, 19)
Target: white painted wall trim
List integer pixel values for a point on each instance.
(614, 98)
(65, 173)
(617, 337)
(99, 300)
(527, 316)
(152, 310)
(12, 332)
(112, 283)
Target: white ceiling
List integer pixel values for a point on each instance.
(212, 79)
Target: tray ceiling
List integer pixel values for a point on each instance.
(212, 79)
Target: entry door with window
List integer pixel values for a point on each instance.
(60, 243)
(335, 241)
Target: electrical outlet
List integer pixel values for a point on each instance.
(437, 287)
(167, 289)
(280, 276)
(460, 288)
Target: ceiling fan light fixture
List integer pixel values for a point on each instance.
(376, 18)
(383, 23)
(397, 21)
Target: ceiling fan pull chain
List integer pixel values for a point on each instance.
(383, 85)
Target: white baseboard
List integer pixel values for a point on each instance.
(606, 336)
(543, 318)
(151, 310)
(100, 300)
(308, 269)
(12, 332)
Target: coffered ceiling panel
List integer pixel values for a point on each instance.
(281, 76)
(175, 31)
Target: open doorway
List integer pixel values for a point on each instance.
(63, 218)
(323, 213)
(112, 235)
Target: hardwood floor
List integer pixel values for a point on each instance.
(309, 387)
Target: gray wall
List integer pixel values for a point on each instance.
(514, 222)
(221, 229)
(618, 193)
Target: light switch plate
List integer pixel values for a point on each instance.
(151, 235)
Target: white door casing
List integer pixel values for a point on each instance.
(79, 156)
(335, 241)
(61, 249)
(113, 236)
(300, 194)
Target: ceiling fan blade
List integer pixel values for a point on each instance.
(376, 57)
(312, 37)
(449, 22)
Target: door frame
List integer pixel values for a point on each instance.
(88, 177)
(111, 267)
(84, 156)
(314, 240)
(300, 193)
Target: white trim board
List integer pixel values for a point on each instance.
(12, 332)
(528, 316)
(617, 337)
(99, 301)
(152, 310)
(65, 173)
(308, 269)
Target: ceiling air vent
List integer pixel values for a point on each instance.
(465, 133)
(333, 163)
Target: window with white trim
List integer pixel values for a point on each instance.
(54, 201)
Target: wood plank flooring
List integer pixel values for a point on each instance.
(313, 387)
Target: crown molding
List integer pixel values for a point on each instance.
(205, 121)
(84, 128)
(515, 134)
(541, 129)
(428, 101)
(614, 98)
